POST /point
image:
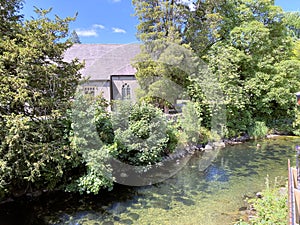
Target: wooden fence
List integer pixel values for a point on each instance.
(293, 196)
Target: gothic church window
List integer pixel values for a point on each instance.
(126, 92)
(88, 90)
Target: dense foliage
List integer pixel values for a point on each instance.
(135, 134)
(91, 130)
(36, 87)
(271, 209)
(248, 45)
(142, 134)
(51, 138)
(256, 71)
(245, 53)
(190, 125)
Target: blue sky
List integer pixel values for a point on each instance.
(107, 21)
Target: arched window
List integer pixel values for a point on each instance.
(89, 90)
(126, 92)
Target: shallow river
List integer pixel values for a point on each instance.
(191, 197)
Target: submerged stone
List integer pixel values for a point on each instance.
(185, 201)
(127, 221)
(194, 193)
(134, 216)
(117, 208)
(116, 218)
(161, 204)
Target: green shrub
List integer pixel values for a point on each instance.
(103, 121)
(271, 209)
(98, 174)
(258, 130)
(143, 136)
(190, 123)
(89, 118)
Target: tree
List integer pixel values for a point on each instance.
(160, 29)
(159, 18)
(249, 50)
(296, 50)
(9, 16)
(74, 38)
(255, 68)
(292, 20)
(208, 23)
(36, 87)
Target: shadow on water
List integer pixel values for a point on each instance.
(55, 207)
(212, 196)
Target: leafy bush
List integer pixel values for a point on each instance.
(89, 118)
(190, 123)
(135, 134)
(270, 209)
(98, 175)
(145, 137)
(258, 130)
(103, 121)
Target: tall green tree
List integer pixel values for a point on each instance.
(162, 23)
(159, 18)
(292, 20)
(248, 46)
(209, 22)
(255, 68)
(36, 86)
(9, 16)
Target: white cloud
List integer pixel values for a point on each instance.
(115, 0)
(100, 26)
(189, 3)
(86, 33)
(118, 30)
(92, 32)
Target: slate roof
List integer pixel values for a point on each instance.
(104, 60)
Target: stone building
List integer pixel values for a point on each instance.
(108, 68)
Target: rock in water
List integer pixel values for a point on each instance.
(208, 147)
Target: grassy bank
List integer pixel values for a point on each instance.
(269, 208)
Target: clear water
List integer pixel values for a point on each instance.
(192, 197)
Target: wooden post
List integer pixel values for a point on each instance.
(297, 204)
(291, 204)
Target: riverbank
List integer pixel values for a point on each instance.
(172, 158)
(269, 205)
(193, 195)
